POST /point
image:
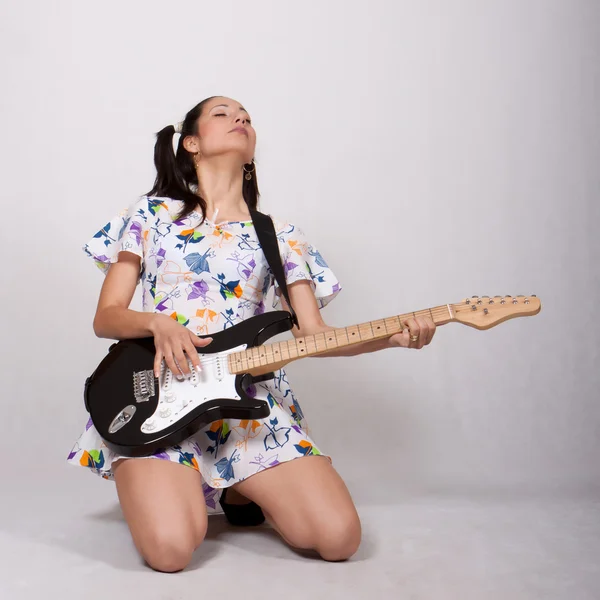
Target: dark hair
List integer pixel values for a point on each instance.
(176, 172)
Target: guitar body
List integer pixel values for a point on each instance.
(136, 413)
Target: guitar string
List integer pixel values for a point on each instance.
(441, 311)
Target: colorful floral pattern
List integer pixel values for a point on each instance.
(210, 277)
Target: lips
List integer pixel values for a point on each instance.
(239, 130)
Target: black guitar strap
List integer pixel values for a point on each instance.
(265, 230)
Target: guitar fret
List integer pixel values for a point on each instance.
(255, 356)
(292, 349)
(330, 340)
(321, 343)
(276, 351)
(366, 332)
(301, 346)
(343, 334)
(288, 350)
(285, 354)
(380, 324)
(352, 332)
(270, 358)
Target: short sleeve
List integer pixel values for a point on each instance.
(125, 232)
(302, 261)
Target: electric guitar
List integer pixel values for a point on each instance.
(137, 413)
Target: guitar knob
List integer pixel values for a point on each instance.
(150, 425)
(164, 412)
(169, 397)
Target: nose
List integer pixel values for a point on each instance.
(241, 118)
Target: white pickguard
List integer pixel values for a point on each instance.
(178, 398)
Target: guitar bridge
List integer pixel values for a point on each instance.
(143, 385)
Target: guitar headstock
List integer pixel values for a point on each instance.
(485, 312)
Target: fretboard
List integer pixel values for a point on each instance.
(310, 345)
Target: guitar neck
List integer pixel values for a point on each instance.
(269, 357)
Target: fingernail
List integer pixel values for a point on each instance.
(199, 368)
(179, 377)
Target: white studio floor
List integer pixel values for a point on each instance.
(75, 545)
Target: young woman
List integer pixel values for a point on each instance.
(191, 243)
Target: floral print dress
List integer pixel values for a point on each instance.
(209, 277)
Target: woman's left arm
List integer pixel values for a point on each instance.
(311, 322)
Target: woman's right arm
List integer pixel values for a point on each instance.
(115, 320)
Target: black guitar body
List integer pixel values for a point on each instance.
(118, 412)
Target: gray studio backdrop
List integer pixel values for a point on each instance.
(430, 150)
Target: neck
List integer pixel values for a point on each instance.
(221, 188)
(266, 358)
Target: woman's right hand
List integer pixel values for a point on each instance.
(173, 342)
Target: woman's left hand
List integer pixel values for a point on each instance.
(422, 327)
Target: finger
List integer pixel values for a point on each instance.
(200, 342)
(432, 329)
(414, 330)
(157, 363)
(408, 325)
(191, 351)
(181, 359)
(423, 331)
(170, 360)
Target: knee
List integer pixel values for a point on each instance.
(339, 539)
(335, 537)
(168, 551)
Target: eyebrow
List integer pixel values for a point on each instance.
(227, 106)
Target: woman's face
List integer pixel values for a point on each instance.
(224, 128)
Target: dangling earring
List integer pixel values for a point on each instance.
(195, 157)
(248, 174)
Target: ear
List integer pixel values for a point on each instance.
(191, 144)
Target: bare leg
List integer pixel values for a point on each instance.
(307, 502)
(164, 507)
